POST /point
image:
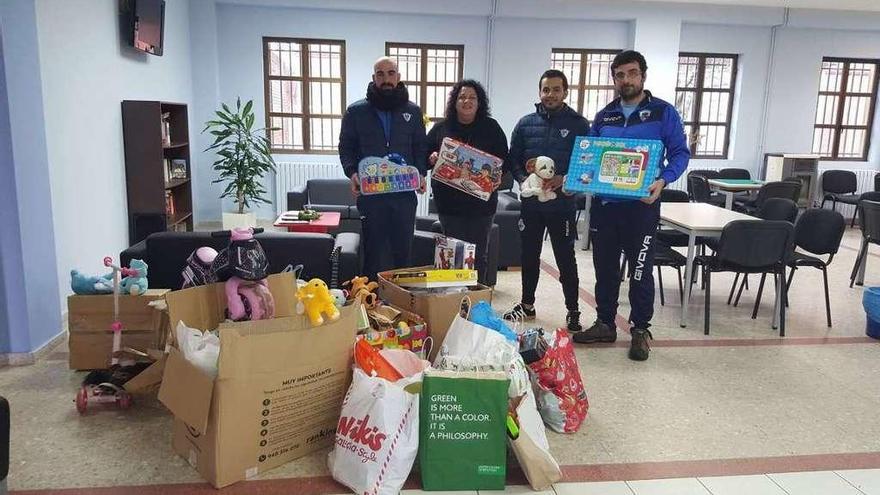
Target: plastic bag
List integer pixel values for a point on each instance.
(531, 448)
(377, 437)
(200, 348)
(483, 314)
(559, 390)
(871, 302)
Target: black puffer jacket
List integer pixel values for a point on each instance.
(362, 135)
(549, 134)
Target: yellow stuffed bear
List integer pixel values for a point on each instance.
(314, 299)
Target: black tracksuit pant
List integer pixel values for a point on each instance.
(388, 222)
(628, 226)
(563, 234)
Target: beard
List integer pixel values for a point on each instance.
(631, 90)
(387, 97)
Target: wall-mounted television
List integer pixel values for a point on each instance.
(144, 24)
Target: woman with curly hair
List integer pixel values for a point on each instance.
(467, 120)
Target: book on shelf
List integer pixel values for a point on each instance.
(178, 169)
(166, 166)
(169, 203)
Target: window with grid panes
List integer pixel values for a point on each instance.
(704, 98)
(845, 110)
(305, 93)
(429, 72)
(590, 83)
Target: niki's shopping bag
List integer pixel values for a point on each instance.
(378, 432)
(462, 430)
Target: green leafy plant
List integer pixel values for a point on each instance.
(243, 151)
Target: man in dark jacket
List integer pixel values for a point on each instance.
(630, 226)
(550, 132)
(384, 123)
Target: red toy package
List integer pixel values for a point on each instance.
(559, 390)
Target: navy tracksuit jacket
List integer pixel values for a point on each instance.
(630, 226)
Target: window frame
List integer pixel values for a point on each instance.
(699, 91)
(582, 87)
(838, 127)
(306, 115)
(423, 84)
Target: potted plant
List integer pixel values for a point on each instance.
(243, 159)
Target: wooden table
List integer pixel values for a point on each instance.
(729, 187)
(328, 221)
(696, 220)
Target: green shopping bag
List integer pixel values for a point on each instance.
(462, 437)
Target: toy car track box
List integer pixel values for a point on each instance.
(451, 254)
(278, 390)
(614, 167)
(380, 175)
(467, 169)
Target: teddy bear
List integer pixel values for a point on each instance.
(363, 290)
(315, 299)
(135, 282)
(542, 168)
(86, 285)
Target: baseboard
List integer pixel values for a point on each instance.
(26, 358)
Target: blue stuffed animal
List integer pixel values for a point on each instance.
(86, 286)
(135, 282)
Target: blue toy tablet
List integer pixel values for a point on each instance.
(614, 167)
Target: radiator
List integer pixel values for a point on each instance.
(289, 175)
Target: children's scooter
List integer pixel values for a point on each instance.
(105, 387)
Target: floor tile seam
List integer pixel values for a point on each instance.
(767, 475)
(848, 482)
(708, 490)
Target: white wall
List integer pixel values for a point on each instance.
(522, 49)
(795, 84)
(752, 44)
(86, 74)
(241, 28)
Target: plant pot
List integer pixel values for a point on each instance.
(236, 220)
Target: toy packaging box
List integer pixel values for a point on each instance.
(453, 254)
(467, 169)
(614, 167)
(380, 175)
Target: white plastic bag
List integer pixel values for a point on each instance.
(472, 347)
(377, 437)
(200, 348)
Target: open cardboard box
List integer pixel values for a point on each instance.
(437, 309)
(89, 318)
(278, 392)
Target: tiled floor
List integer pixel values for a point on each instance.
(705, 414)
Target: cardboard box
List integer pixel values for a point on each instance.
(89, 319)
(278, 391)
(437, 309)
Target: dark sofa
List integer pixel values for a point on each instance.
(166, 254)
(328, 195)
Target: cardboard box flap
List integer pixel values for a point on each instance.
(186, 391)
(259, 347)
(204, 307)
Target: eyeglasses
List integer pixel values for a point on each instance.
(467, 98)
(631, 74)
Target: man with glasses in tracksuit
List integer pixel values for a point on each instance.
(630, 226)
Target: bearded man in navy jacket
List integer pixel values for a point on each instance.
(384, 123)
(631, 226)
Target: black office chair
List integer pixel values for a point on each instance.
(839, 186)
(817, 232)
(870, 235)
(672, 237)
(699, 190)
(4, 441)
(734, 173)
(665, 256)
(751, 246)
(781, 189)
(866, 196)
(777, 209)
(877, 182)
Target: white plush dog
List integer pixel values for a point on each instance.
(543, 169)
